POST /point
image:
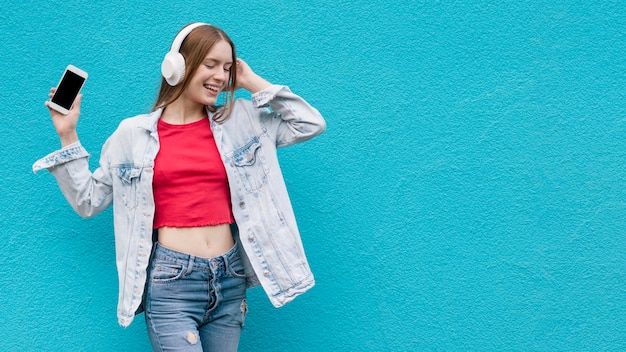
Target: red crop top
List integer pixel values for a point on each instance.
(190, 184)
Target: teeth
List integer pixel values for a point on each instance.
(208, 86)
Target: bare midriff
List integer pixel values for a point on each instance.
(204, 242)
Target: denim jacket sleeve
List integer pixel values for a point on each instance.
(291, 119)
(88, 193)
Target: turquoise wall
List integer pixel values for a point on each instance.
(468, 194)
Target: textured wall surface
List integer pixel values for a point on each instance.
(468, 195)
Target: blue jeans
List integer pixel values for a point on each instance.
(195, 304)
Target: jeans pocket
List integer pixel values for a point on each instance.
(165, 272)
(235, 268)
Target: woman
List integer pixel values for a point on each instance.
(204, 181)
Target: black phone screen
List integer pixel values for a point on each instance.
(68, 89)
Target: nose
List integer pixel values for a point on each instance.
(220, 75)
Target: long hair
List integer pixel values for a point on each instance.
(194, 49)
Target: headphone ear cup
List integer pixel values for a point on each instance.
(173, 68)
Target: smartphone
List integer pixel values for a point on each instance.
(68, 88)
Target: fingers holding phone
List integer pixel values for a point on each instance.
(65, 125)
(64, 103)
(67, 90)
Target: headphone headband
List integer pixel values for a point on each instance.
(180, 37)
(173, 65)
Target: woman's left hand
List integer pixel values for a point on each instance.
(248, 80)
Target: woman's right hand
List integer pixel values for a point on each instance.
(65, 125)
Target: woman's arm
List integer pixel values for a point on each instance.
(65, 125)
(87, 193)
(291, 119)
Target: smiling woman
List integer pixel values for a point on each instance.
(210, 77)
(206, 49)
(174, 175)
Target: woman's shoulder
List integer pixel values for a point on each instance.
(131, 128)
(242, 103)
(240, 109)
(146, 121)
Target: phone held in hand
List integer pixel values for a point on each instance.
(68, 88)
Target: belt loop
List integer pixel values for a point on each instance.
(190, 264)
(225, 260)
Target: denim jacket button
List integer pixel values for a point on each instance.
(242, 204)
(266, 273)
(250, 238)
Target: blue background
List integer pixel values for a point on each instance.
(468, 194)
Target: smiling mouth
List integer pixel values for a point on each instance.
(212, 88)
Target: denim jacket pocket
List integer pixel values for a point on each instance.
(128, 178)
(249, 161)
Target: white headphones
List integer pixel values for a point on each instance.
(173, 66)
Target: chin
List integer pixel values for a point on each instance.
(208, 101)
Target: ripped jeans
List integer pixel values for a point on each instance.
(195, 304)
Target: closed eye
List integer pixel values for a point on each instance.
(209, 66)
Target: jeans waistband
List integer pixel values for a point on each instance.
(168, 254)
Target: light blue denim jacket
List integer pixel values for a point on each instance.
(247, 141)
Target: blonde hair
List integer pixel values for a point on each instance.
(194, 49)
